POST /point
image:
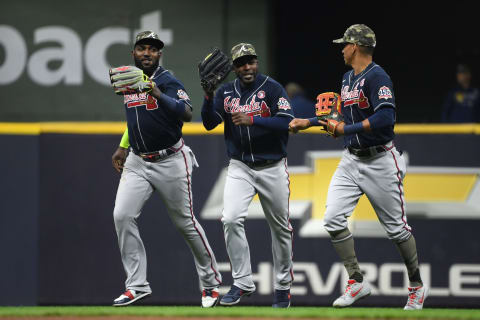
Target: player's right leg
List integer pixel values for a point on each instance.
(133, 191)
(273, 186)
(238, 194)
(172, 179)
(383, 184)
(343, 196)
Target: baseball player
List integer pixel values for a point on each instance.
(256, 112)
(159, 161)
(370, 165)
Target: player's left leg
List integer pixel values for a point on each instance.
(343, 195)
(273, 186)
(173, 182)
(237, 195)
(133, 191)
(384, 188)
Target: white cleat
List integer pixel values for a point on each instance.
(129, 297)
(210, 297)
(416, 297)
(354, 291)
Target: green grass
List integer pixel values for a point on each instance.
(294, 312)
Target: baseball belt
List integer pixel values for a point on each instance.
(371, 151)
(258, 164)
(160, 154)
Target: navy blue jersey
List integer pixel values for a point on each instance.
(264, 98)
(362, 96)
(152, 127)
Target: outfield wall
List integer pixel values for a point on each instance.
(59, 244)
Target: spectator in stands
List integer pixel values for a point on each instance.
(462, 104)
(302, 106)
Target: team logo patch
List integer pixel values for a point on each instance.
(140, 99)
(182, 95)
(254, 108)
(261, 94)
(354, 97)
(384, 93)
(283, 104)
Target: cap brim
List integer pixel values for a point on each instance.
(339, 41)
(247, 55)
(156, 42)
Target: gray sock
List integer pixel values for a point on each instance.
(343, 243)
(408, 251)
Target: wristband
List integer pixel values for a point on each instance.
(314, 121)
(124, 143)
(353, 128)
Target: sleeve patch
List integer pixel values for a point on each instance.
(182, 95)
(283, 104)
(384, 93)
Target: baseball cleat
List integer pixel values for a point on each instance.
(281, 299)
(234, 295)
(129, 297)
(353, 292)
(209, 297)
(416, 297)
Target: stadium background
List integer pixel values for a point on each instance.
(58, 188)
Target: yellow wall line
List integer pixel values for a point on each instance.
(196, 128)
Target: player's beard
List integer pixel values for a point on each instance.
(147, 70)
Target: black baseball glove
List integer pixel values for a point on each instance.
(214, 69)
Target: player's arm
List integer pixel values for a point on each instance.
(212, 109)
(120, 155)
(298, 124)
(281, 110)
(279, 123)
(181, 109)
(383, 101)
(383, 117)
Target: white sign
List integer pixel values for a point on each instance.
(69, 50)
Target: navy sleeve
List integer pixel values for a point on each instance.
(174, 96)
(280, 102)
(275, 123)
(381, 91)
(212, 111)
(382, 118)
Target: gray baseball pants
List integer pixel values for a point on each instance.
(380, 178)
(171, 178)
(273, 187)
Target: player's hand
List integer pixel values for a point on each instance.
(298, 124)
(118, 158)
(338, 127)
(240, 118)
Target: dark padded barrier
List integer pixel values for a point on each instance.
(59, 243)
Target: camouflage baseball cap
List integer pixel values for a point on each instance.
(359, 34)
(243, 49)
(149, 36)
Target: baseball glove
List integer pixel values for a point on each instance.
(214, 69)
(130, 79)
(328, 109)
